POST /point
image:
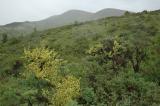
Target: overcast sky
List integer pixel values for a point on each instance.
(30, 10)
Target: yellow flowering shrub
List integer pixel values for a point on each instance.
(116, 47)
(45, 65)
(67, 90)
(95, 48)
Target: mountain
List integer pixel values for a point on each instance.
(108, 13)
(66, 18)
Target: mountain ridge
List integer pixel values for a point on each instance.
(66, 18)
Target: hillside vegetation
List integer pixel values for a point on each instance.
(114, 61)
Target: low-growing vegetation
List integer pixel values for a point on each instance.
(113, 61)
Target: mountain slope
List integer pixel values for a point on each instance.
(107, 75)
(66, 18)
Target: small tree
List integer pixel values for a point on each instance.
(4, 38)
(127, 13)
(35, 30)
(120, 53)
(76, 23)
(111, 51)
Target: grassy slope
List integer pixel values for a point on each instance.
(72, 41)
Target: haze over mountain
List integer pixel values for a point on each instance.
(66, 18)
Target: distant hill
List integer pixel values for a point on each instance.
(66, 18)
